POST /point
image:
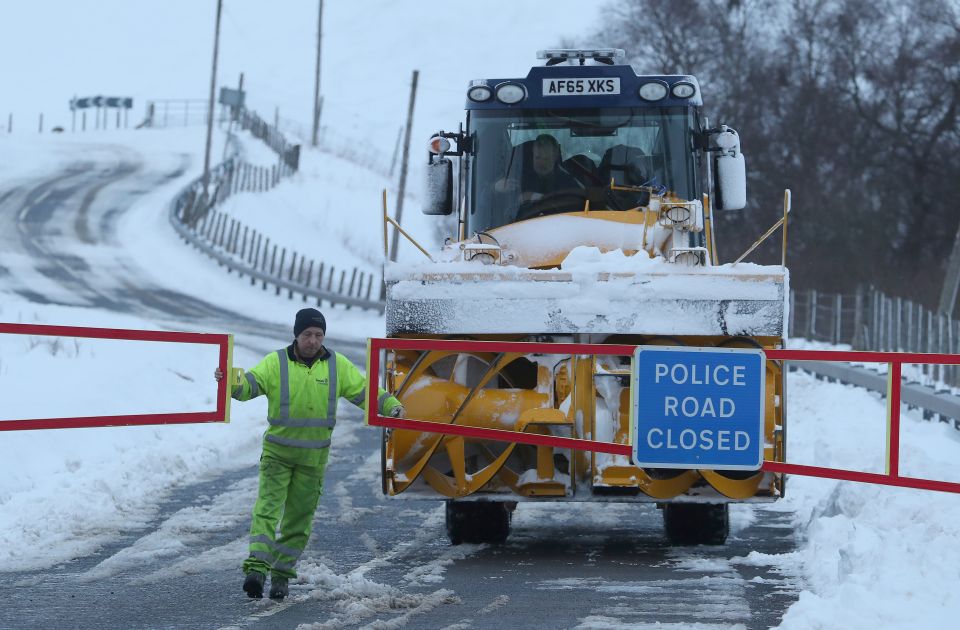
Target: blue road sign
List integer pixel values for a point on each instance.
(697, 407)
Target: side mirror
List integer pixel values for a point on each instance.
(731, 171)
(439, 200)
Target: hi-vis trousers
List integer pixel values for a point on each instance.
(288, 494)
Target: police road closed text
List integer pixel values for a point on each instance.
(698, 408)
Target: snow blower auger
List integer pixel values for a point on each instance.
(585, 196)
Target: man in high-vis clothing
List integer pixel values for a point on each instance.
(302, 383)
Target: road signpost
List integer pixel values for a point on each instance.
(115, 102)
(697, 407)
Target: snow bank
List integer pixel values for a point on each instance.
(873, 556)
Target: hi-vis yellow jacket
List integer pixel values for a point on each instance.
(302, 401)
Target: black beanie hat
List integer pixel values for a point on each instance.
(308, 317)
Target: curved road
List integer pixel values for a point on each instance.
(372, 562)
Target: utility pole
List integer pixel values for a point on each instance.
(316, 85)
(213, 83)
(403, 166)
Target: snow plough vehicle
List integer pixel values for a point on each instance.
(584, 197)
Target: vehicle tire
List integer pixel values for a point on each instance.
(478, 521)
(696, 523)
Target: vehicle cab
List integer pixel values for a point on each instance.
(582, 133)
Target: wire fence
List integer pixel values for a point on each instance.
(351, 147)
(181, 112)
(240, 248)
(871, 320)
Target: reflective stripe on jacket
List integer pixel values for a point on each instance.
(302, 400)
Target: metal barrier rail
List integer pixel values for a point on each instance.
(194, 238)
(193, 216)
(500, 435)
(870, 320)
(942, 403)
(221, 414)
(895, 360)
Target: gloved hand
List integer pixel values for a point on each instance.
(398, 412)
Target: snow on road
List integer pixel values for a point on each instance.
(871, 557)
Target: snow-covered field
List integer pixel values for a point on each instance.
(871, 557)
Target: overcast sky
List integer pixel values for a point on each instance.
(52, 50)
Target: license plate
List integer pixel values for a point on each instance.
(581, 87)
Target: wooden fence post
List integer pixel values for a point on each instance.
(320, 283)
(955, 349)
(857, 342)
(293, 265)
(211, 226)
(813, 314)
(309, 277)
(909, 345)
(279, 273)
(223, 231)
(887, 311)
(838, 317)
(273, 260)
(940, 349)
(232, 236)
(791, 323)
(898, 337)
(255, 255)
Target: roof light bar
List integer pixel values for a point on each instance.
(601, 55)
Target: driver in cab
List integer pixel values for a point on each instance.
(545, 175)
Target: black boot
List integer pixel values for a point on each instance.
(253, 585)
(278, 587)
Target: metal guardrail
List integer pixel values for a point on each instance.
(195, 238)
(870, 320)
(934, 403)
(244, 250)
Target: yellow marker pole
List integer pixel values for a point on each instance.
(787, 198)
(410, 238)
(708, 224)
